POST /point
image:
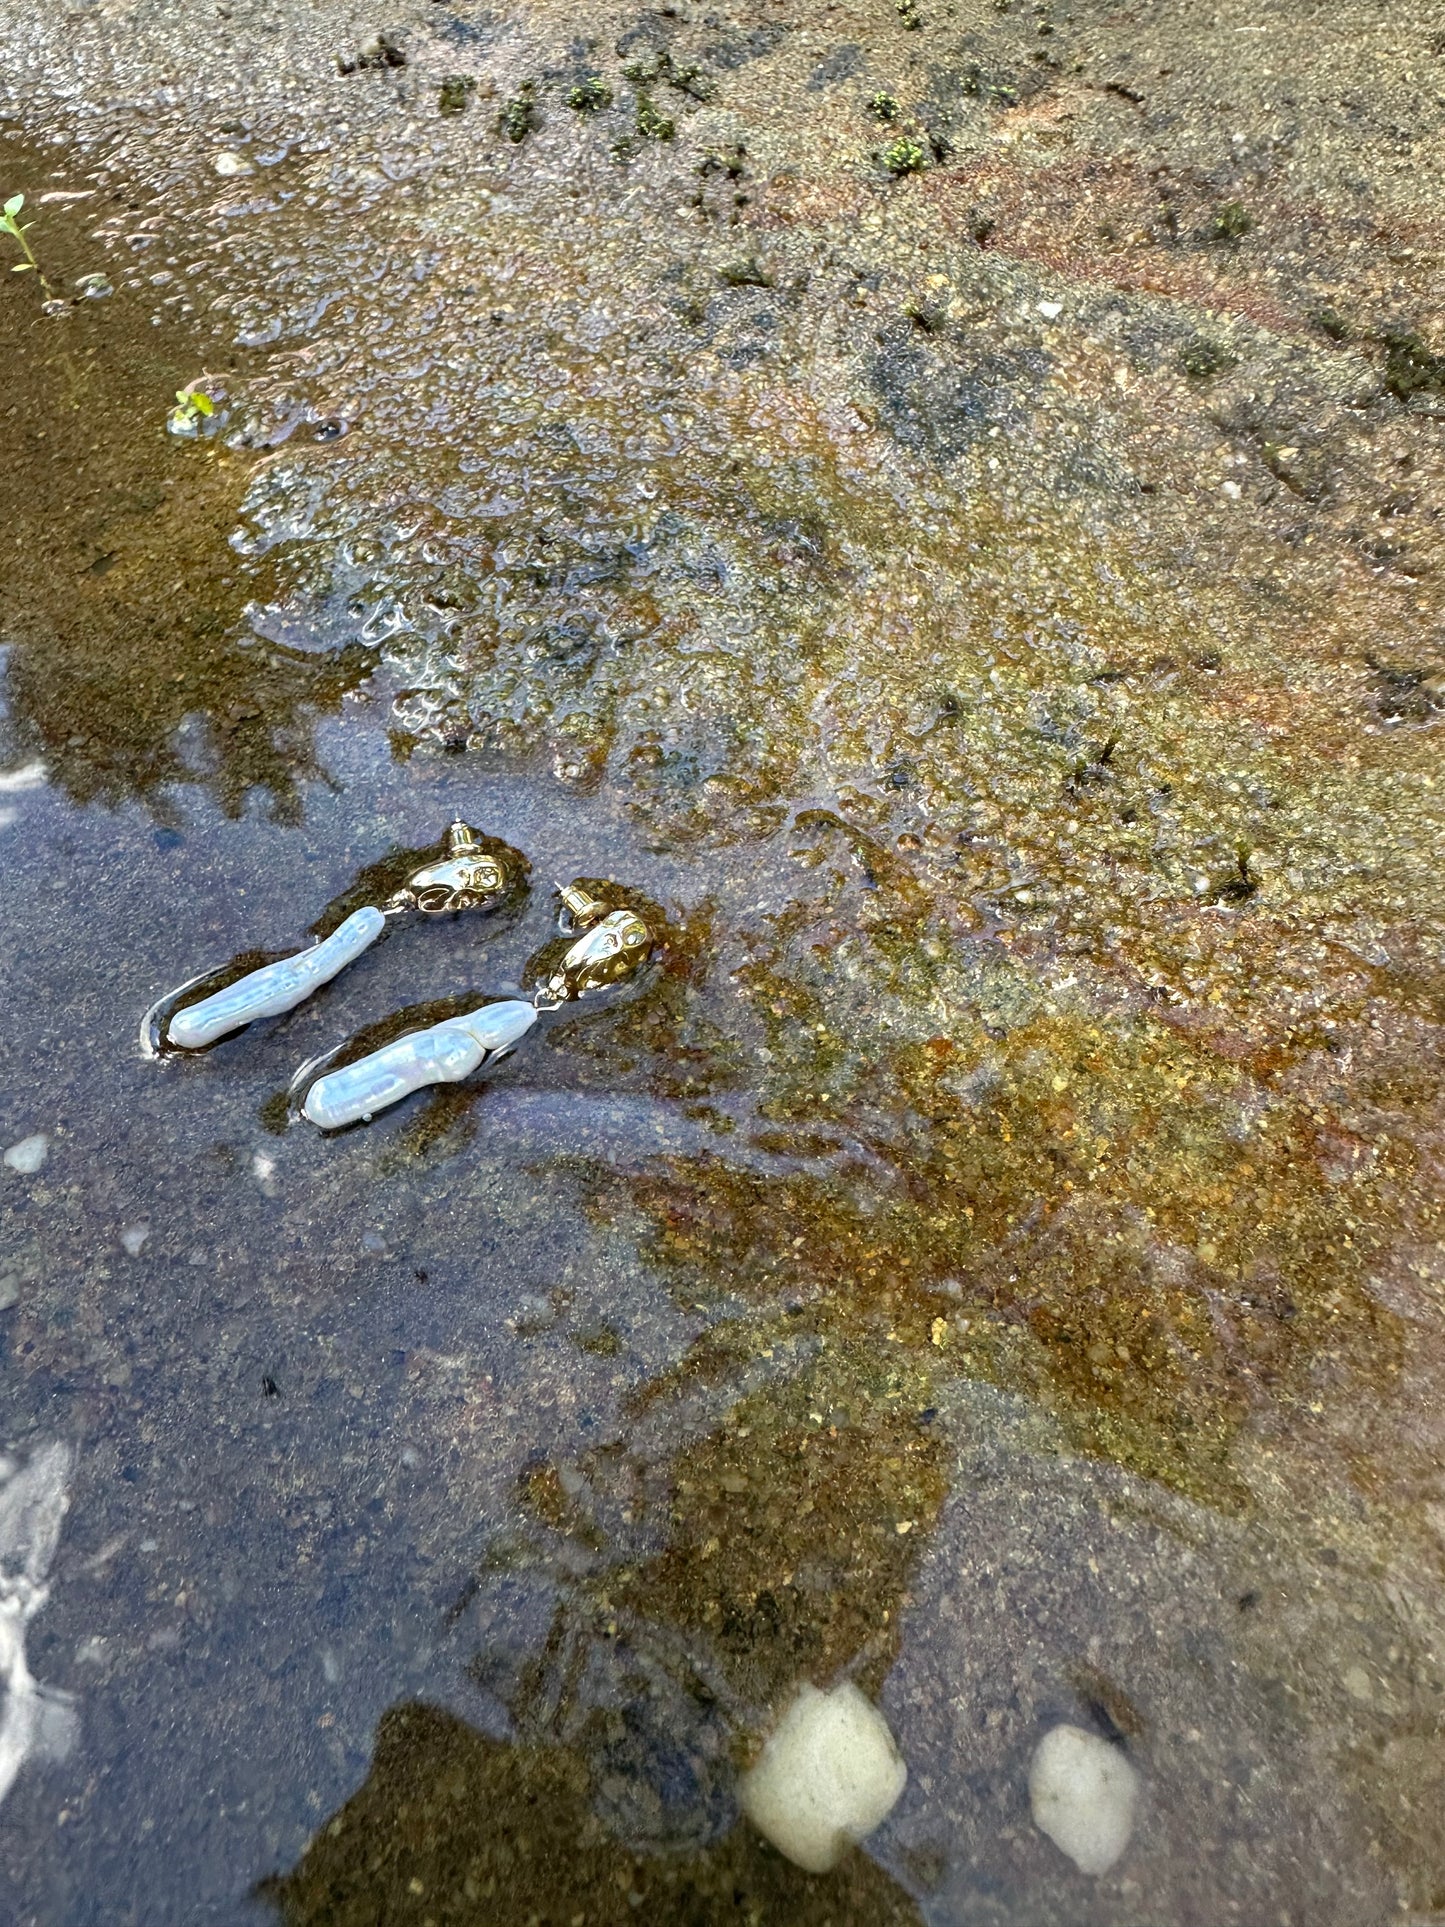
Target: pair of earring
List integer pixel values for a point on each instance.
(610, 944)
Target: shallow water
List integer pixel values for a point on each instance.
(994, 1257)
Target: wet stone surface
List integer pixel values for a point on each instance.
(941, 502)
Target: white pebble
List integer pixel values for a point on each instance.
(29, 1154)
(828, 1775)
(29, 776)
(1083, 1793)
(1051, 310)
(228, 163)
(133, 1237)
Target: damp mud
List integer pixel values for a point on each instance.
(940, 504)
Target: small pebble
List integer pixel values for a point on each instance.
(228, 163)
(29, 1154)
(1083, 1793)
(29, 776)
(829, 1774)
(1051, 310)
(1357, 1684)
(133, 1237)
(9, 1291)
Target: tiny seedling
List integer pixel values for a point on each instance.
(10, 224)
(905, 156)
(590, 96)
(191, 405)
(519, 116)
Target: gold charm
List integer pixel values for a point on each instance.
(613, 946)
(609, 947)
(471, 878)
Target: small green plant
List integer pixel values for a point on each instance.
(884, 107)
(1203, 359)
(1230, 224)
(652, 123)
(590, 96)
(905, 156)
(1330, 322)
(519, 116)
(454, 94)
(191, 405)
(908, 14)
(10, 224)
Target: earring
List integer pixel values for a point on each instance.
(473, 876)
(610, 947)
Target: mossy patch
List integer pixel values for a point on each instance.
(1229, 226)
(906, 155)
(590, 95)
(1203, 358)
(519, 117)
(1410, 366)
(455, 94)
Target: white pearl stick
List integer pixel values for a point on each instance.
(278, 986)
(442, 1055)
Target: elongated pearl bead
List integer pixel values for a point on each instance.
(278, 986)
(442, 1055)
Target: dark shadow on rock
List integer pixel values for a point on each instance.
(452, 1826)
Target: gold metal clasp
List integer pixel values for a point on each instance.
(613, 946)
(470, 878)
(581, 906)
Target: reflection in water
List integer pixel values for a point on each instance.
(453, 1827)
(132, 666)
(753, 1524)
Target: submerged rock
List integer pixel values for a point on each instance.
(34, 1719)
(29, 1154)
(1083, 1793)
(829, 1774)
